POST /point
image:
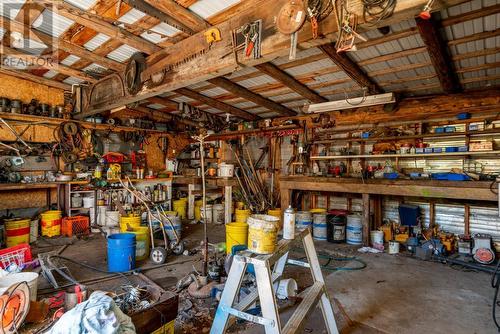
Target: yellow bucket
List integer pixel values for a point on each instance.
(236, 234)
(242, 215)
(131, 221)
(51, 223)
(17, 232)
(262, 233)
(317, 210)
(142, 242)
(275, 213)
(240, 205)
(197, 213)
(198, 202)
(180, 208)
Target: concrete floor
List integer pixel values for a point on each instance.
(393, 294)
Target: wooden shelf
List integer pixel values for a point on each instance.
(407, 156)
(474, 133)
(27, 186)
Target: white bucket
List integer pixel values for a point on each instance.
(88, 202)
(393, 247)
(92, 216)
(101, 215)
(28, 277)
(34, 230)
(319, 226)
(218, 213)
(226, 170)
(208, 215)
(354, 230)
(112, 218)
(377, 238)
(303, 220)
(286, 288)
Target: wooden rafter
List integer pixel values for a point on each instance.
(37, 79)
(286, 79)
(471, 15)
(241, 91)
(99, 24)
(217, 104)
(351, 68)
(440, 59)
(192, 21)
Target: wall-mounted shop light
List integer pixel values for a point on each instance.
(356, 102)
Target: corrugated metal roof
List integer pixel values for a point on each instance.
(96, 41)
(159, 32)
(52, 23)
(244, 105)
(50, 74)
(122, 53)
(269, 114)
(70, 60)
(30, 46)
(300, 55)
(214, 92)
(208, 8)
(72, 81)
(156, 106)
(243, 71)
(311, 67)
(95, 68)
(82, 4)
(131, 16)
(258, 81)
(10, 8)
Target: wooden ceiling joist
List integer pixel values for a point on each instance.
(440, 59)
(241, 91)
(191, 21)
(36, 79)
(99, 24)
(351, 68)
(286, 79)
(471, 15)
(217, 104)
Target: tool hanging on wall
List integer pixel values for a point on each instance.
(132, 75)
(375, 11)
(291, 18)
(252, 32)
(346, 26)
(212, 35)
(425, 14)
(317, 11)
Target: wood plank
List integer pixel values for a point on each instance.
(471, 15)
(351, 69)
(98, 23)
(191, 21)
(286, 79)
(217, 104)
(366, 219)
(37, 79)
(247, 94)
(440, 59)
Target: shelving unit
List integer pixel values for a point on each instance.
(409, 156)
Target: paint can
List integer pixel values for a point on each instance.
(289, 224)
(336, 226)
(319, 226)
(286, 288)
(262, 233)
(214, 271)
(354, 230)
(176, 226)
(218, 213)
(73, 298)
(226, 170)
(17, 231)
(303, 220)
(207, 214)
(377, 239)
(393, 247)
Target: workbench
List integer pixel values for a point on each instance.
(194, 186)
(459, 190)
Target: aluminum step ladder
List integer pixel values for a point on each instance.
(267, 282)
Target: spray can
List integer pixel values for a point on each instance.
(289, 224)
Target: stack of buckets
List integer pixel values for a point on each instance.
(241, 215)
(131, 222)
(17, 231)
(51, 223)
(319, 224)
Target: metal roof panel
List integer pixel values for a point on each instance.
(96, 41)
(122, 53)
(52, 23)
(208, 8)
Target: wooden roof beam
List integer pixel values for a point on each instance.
(217, 104)
(440, 59)
(286, 79)
(241, 91)
(99, 24)
(36, 79)
(351, 68)
(191, 21)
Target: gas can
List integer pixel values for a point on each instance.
(289, 223)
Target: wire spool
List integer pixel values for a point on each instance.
(135, 67)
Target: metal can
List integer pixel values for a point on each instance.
(289, 223)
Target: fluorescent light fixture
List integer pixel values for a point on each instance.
(355, 102)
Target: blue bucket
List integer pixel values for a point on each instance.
(121, 252)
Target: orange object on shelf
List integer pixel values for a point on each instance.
(77, 225)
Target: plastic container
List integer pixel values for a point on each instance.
(88, 202)
(17, 232)
(393, 247)
(236, 234)
(75, 226)
(141, 242)
(128, 222)
(28, 277)
(180, 207)
(177, 226)
(377, 238)
(262, 233)
(76, 201)
(101, 215)
(241, 215)
(121, 252)
(286, 288)
(303, 220)
(226, 170)
(336, 226)
(319, 226)
(207, 214)
(354, 230)
(51, 223)
(218, 213)
(276, 213)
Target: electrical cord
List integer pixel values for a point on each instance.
(495, 283)
(375, 11)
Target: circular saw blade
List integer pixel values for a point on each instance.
(291, 17)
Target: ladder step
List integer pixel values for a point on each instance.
(305, 307)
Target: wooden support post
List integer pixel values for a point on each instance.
(286, 195)
(467, 219)
(191, 201)
(366, 219)
(432, 214)
(228, 201)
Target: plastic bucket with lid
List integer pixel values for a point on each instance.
(121, 252)
(354, 230)
(218, 213)
(141, 242)
(241, 215)
(51, 223)
(262, 233)
(112, 218)
(17, 232)
(128, 222)
(303, 220)
(336, 227)
(207, 214)
(28, 277)
(236, 234)
(319, 226)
